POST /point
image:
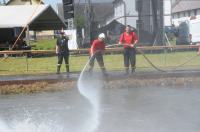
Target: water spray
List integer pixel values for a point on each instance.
(90, 86)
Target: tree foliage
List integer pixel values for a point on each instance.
(79, 22)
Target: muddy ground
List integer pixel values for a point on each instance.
(33, 86)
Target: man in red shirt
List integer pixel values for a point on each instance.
(96, 52)
(129, 39)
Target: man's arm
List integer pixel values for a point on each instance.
(92, 48)
(135, 37)
(198, 50)
(67, 38)
(121, 39)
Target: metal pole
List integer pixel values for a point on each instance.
(28, 35)
(87, 21)
(26, 61)
(90, 21)
(162, 37)
(125, 21)
(171, 12)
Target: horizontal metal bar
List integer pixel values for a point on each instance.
(143, 48)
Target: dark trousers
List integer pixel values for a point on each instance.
(99, 58)
(60, 60)
(129, 58)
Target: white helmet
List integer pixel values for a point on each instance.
(102, 36)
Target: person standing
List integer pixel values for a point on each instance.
(96, 52)
(129, 39)
(62, 51)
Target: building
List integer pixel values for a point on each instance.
(99, 12)
(125, 12)
(144, 15)
(183, 10)
(174, 1)
(154, 15)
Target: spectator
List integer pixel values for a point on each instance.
(62, 52)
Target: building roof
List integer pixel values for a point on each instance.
(101, 10)
(38, 17)
(23, 1)
(117, 1)
(185, 5)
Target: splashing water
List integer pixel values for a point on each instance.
(89, 86)
(29, 126)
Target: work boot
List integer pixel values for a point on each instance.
(126, 71)
(105, 74)
(58, 69)
(67, 70)
(90, 70)
(133, 71)
(68, 74)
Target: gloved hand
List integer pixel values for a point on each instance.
(57, 53)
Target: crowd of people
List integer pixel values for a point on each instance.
(128, 39)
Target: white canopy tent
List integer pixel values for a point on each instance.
(41, 17)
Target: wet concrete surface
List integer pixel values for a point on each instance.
(121, 110)
(123, 106)
(112, 75)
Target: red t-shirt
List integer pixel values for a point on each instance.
(97, 45)
(126, 38)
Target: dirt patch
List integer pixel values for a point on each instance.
(33, 87)
(160, 82)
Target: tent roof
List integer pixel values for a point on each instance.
(185, 5)
(41, 17)
(22, 1)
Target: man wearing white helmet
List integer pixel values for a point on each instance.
(96, 52)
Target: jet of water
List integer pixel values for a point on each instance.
(89, 86)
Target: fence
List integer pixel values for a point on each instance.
(149, 58)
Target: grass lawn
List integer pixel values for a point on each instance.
(18, 65)
(44, 44)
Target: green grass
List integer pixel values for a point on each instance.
(44, 44)
(18, 65)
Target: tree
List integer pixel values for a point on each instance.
(79, 22)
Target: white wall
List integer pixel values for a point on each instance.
(72, 43)
(167, 13)
(130, 10)
(181, 18)
(119, 12)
